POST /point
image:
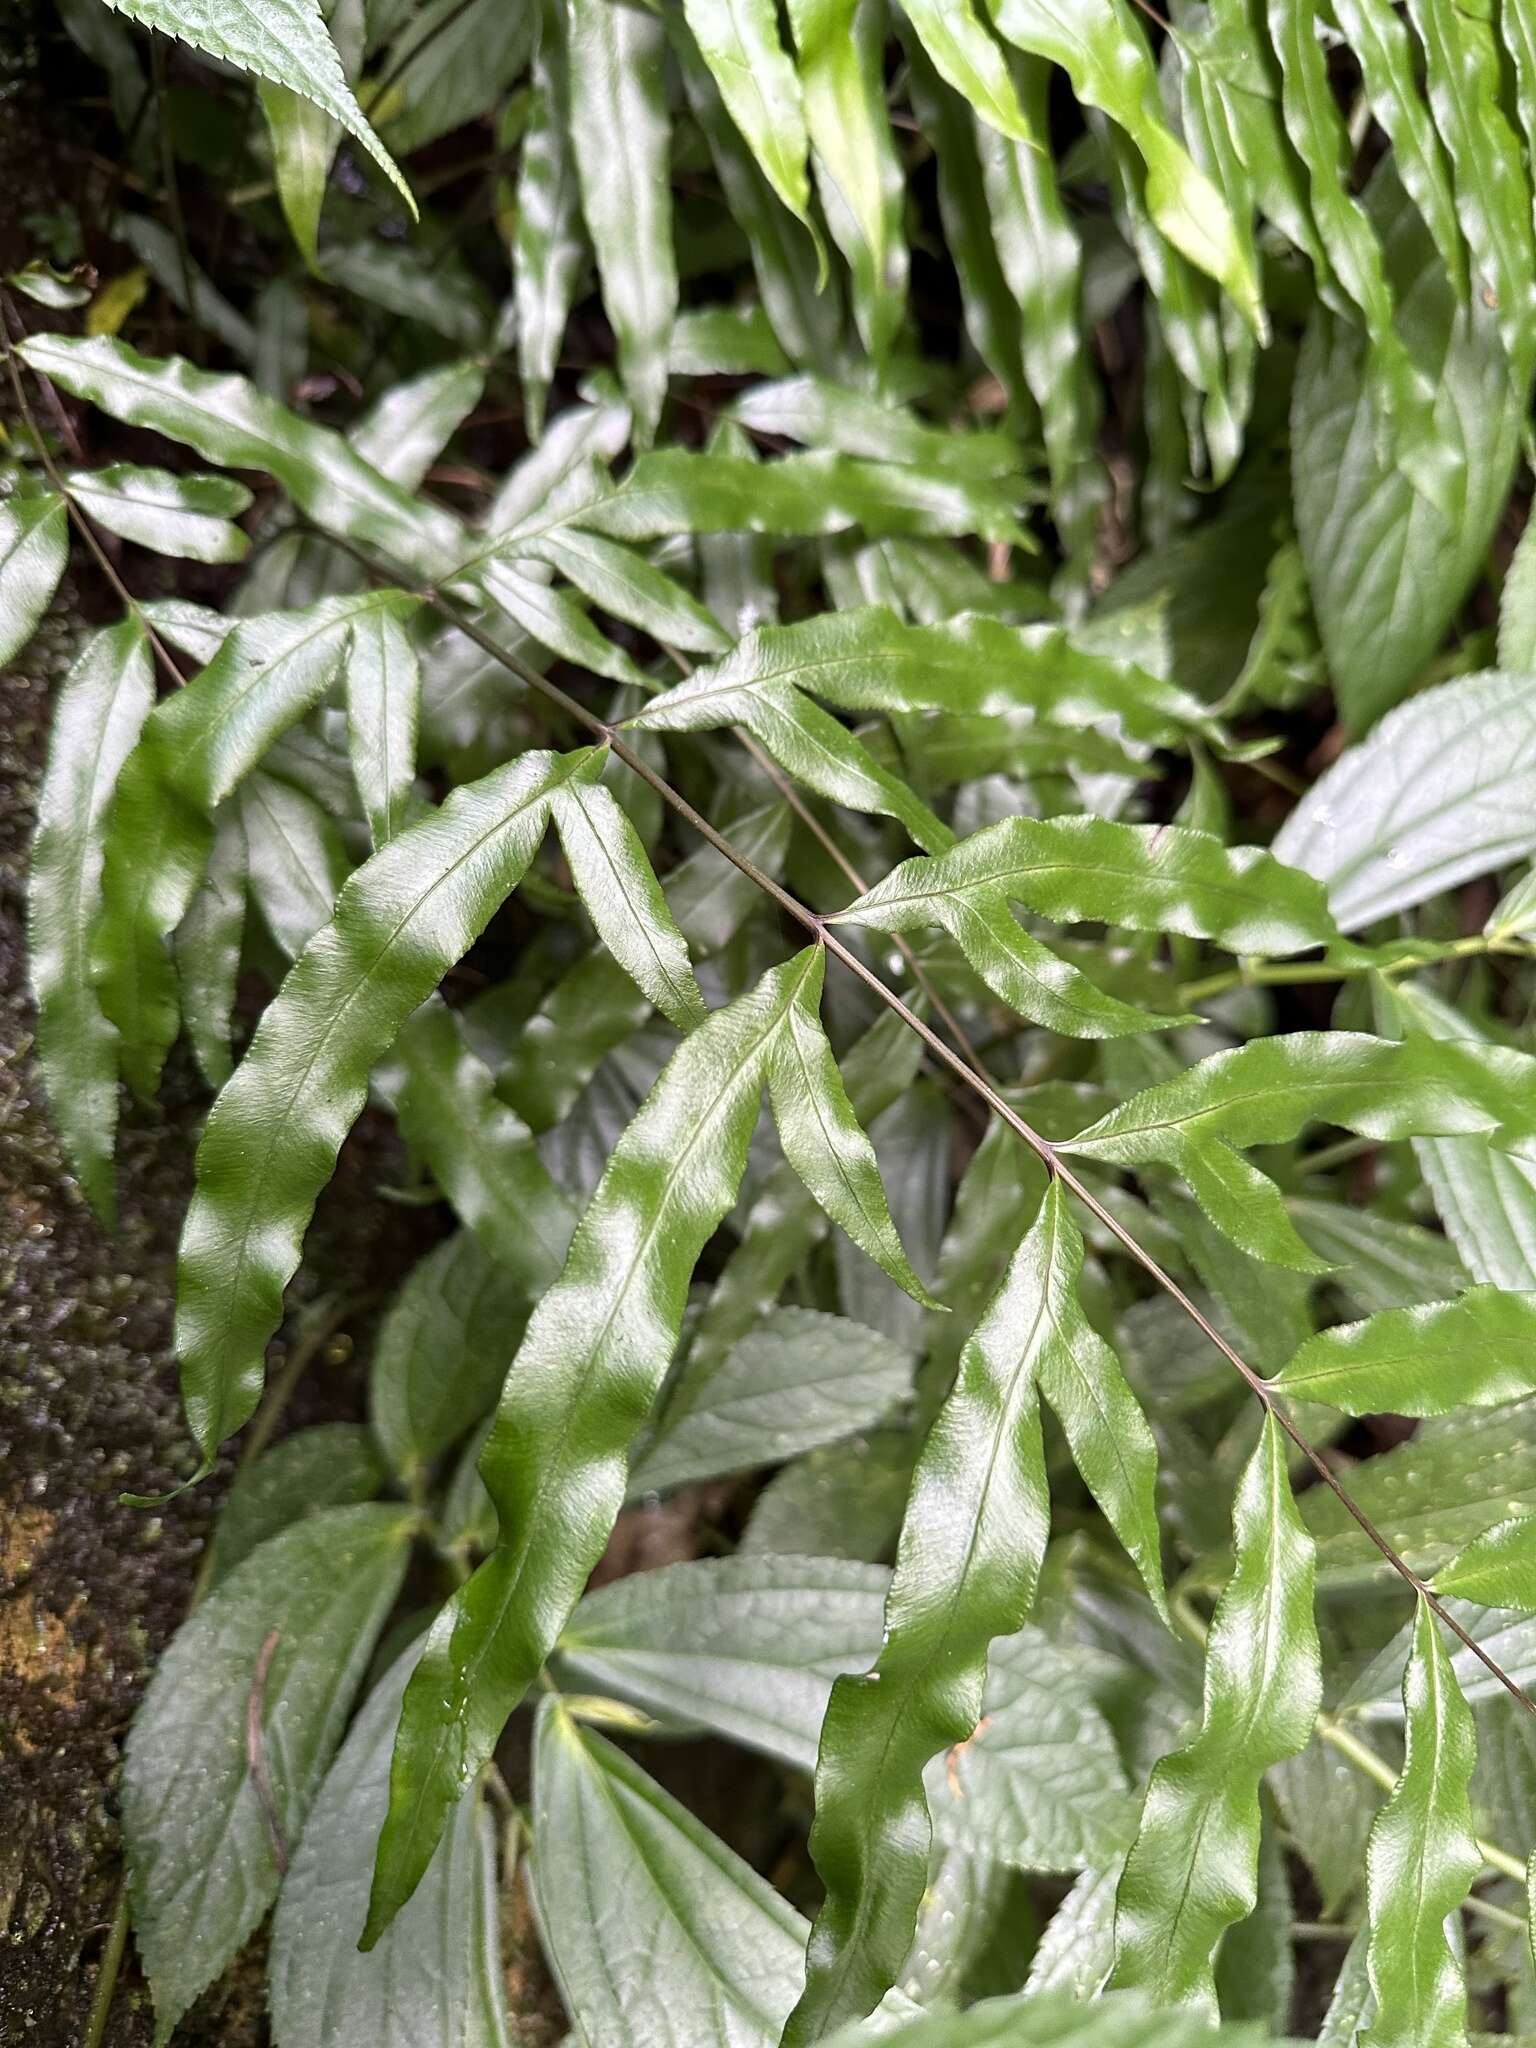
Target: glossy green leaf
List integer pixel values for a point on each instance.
(623, 582)
(844, 1501)
(965, 55)
(438, 1970)
(196, 748)
(688, 1942)
(547, 244)
(676, 490)
(442, 1351)
(480, 1152)
(839, 54)
(383, 679)
(453, 63)
(1193, 1868)
(1387, 566)
(747, 1647)
(1422, 1859)
(201, 1861)
(1041, 255)
(823, 1139)
(332, 1465)
(623, 898)
(1478, 1351)
(1395, 383)
(1497, 1569)
(739, 41)
(1485, 1198)
(228, 420)
(798, 1380)
(406, 428)
(402, 920)
(1379, 1262)
(1424, 802)
(282, 41)
(1111, 68)
(1464, 83)
(620, 137)
(869, 660)
(174, 515)
(820, 414)
(98, 712)
(966, 1565)
(585, 1375)
(1266, 1092)
(34, 546)
(1162, 878)
(1384, 45)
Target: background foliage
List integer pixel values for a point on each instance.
(717, 492)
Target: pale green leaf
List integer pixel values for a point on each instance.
(746, 1647)
(1430, 1497)
(685, 1941)
(1388, 568)
(1517, 606)
(437, 1973)
(303, 137)
(333, 1465)
(1193, 1868)
(201, 1861)
(208, 945)
(404, 431)
(98, 712)
(295, 861)
(1443, 789)
(442, 1351)
(820, 414)
(800, 1379)
(383, 678)
(621, 581)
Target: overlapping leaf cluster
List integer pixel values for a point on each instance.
(1149, 1106)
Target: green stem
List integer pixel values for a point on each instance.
(1296, 973)
(107, 1973)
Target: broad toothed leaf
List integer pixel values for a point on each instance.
(1193, 1868)
(437, 1972)
(98, 713)
(690, 1944)
(203, 1867)
(283, 41)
